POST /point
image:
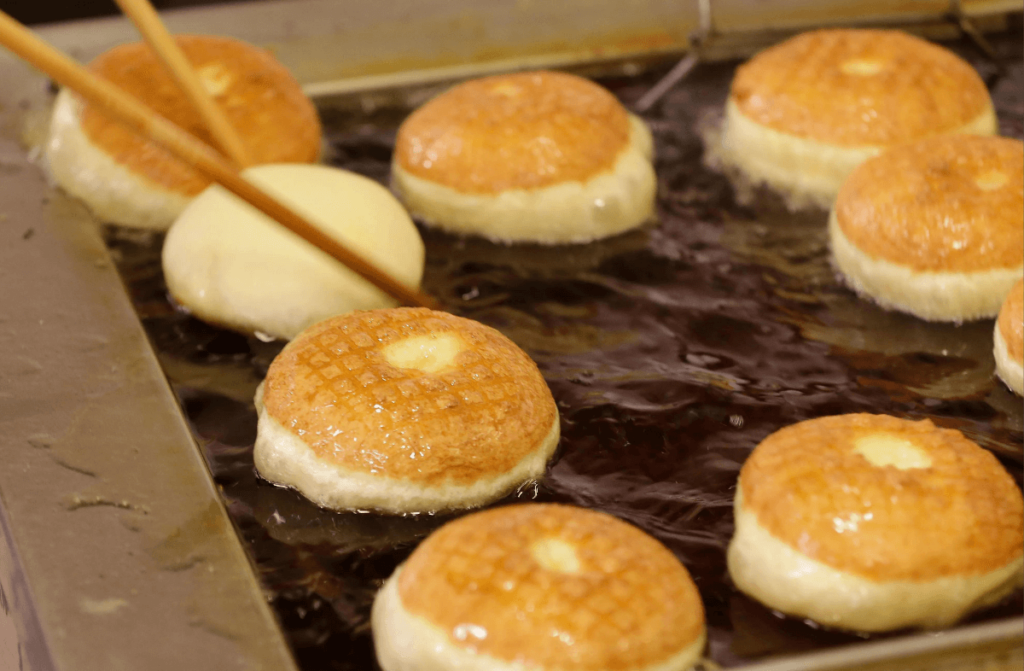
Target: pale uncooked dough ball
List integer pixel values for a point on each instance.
(233, 266)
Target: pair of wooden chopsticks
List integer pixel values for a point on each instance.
(145, 18)
(129, 111)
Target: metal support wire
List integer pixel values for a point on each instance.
(967, 27)
(705, 32)
(685, 66)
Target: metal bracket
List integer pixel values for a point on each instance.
(684, 67)
(970, 30)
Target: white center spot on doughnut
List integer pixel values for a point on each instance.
(885, 450)
(427, 353)
(861, 67)
(506, 89)
(556, 555)
(215, 78)
(991, 180)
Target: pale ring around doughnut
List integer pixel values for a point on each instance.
(802, 114)
(541, 157)
(806, 172)
(934, 228)
(572, 212)
(1008, 340)
(761, 565)
(539, 586)
(933, 296)
(403, 411)
(872, 523)
(124, 178)
(112, 192)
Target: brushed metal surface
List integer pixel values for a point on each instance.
(128, 558)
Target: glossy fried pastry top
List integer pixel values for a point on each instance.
(553, 586)
(859, 87)
(1011, 322)
(952, 203)
(411, 394)
(276, 121)
(885, 498)
(519, 131)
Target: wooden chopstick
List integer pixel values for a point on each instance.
(129, 111)
(170, 54)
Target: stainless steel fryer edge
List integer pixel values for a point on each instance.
(120, 551)
(119, 545)
(335, 47)
(992, 646)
